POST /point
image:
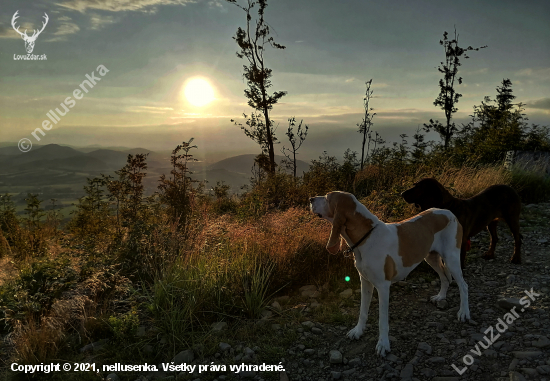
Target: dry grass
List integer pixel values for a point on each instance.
(466, 182)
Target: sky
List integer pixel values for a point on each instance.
(153, 48)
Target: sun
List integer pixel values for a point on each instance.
(198, 92)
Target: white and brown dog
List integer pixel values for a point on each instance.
(386, 253)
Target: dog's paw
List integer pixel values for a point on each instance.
(383, 346)
(463, 314)
(355, 333)
(515, 260)
(488, 256)
(437, 298)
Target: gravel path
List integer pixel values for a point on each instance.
(427, 339)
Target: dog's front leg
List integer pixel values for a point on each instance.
(366, 296)
(383, 345)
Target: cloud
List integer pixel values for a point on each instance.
(9, 32)
(65, 28)
(150, 109)
(542, 73)
(98, 22)
(543, 103)
(146, 6)
(219, 5)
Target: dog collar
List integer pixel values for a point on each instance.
(349, 250)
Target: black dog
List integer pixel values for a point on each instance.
(474, 214)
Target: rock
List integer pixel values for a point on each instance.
(354, 362)
(526, 355)
(310, 287)
(275, 327)
(141, 331)
(513, 364)
(335, 357)
(510, 279)
(336, 375)
(508, 303)
(402, 283)
(184, 357)
(425, 347)
(224, 347)
(148, 349)
(391, 357)
(283, 299)
(543, 369)
(219, 326)
(349, 372)
(308, 324)
(530, 371)
(407, 372)
(490, 353)
(309, 352)
(346, 293)
(94, 346)
(542, 342)
(309, 291)
(248, 352)
(112, 377)
(515, 376)
(247, 374)
(436, 360)
(276, 306)
(428, 372)
(317, 331)
(442, 304)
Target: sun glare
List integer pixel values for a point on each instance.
(198, 92)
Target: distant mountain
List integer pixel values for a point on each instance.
(47, 152)
(114, 159)
(243, 164)
(135, 151)
(71, 164)
(233, 179)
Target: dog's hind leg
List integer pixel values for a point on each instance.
(513, 224)
(434, 260)
(492, 228)
(453, 263)
(383, 344)
(366, 296)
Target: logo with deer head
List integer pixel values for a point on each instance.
(29, 41)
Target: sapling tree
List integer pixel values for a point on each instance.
(366, 124)
(177, 190)
(448, 96)
(296, 140)
(252, 42)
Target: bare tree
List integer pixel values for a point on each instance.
(366, 124)
(448, 97)
(252, 45)
(296, 140)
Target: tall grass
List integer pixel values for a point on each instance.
(228, 266)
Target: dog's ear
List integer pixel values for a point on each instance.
(337, 225)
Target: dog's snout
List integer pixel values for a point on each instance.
(311, 199)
